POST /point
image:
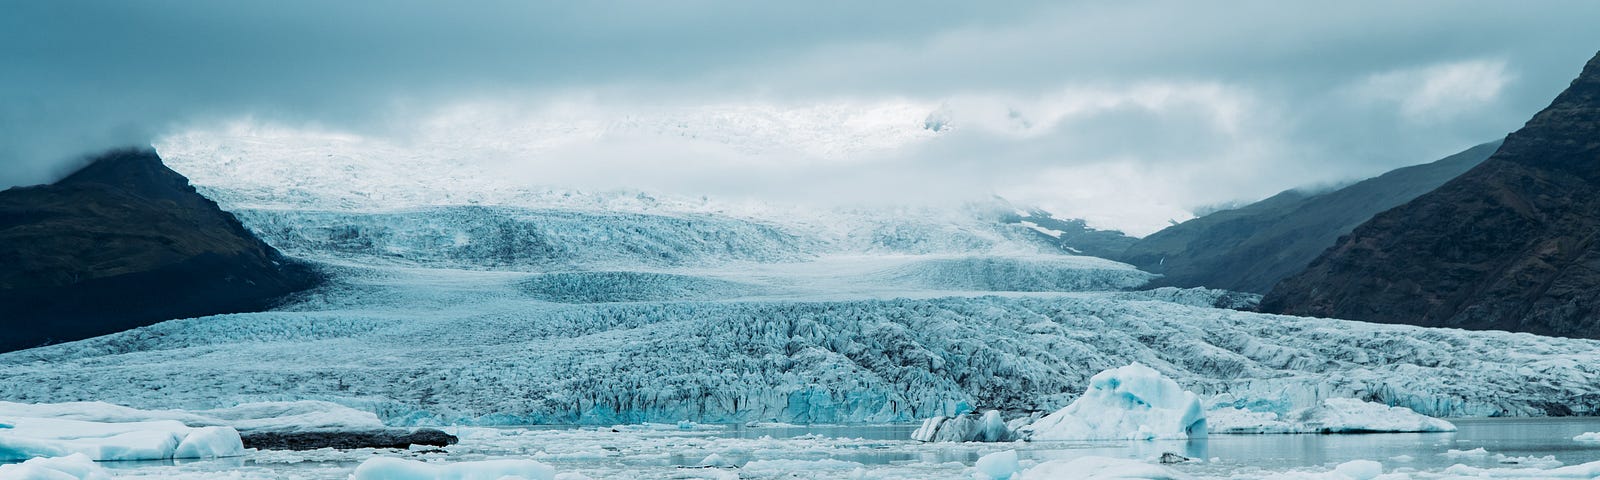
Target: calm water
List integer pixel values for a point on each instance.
(666, 452)
(1512, 437)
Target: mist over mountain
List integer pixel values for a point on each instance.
(1251, 248)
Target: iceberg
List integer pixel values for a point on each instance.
(964, 428)
(388, 468)
(157, 440)
(1332, 415)
(71, 467)
(305, 415)
(1133, 402)
(998, 465)
(1098, 468)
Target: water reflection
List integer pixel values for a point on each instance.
(1535, 437)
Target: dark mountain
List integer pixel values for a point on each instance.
(1251, 248)
(126, 242)
(1509, 245)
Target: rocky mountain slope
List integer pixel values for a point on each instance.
(1253, 247)
(1510, 245)
(122, 243)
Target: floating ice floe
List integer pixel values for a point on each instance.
(1333, 415)
(1587, 470)
(387, 468)
(998, 465)
(1133, 402)
(305, 415)
(104, 431)
(1479, 454)
(1588, 437)
(72, 467)
(158, 440)
(1098, 468)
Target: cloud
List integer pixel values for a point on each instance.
(1438, 93)
(1130, 112)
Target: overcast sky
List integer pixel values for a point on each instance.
(1126, 113)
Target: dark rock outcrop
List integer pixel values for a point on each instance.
(1510, 245)
(126, 242)
(347, 440)
(1251, 248)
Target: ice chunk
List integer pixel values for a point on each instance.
(387, 468)
(1454, 454)
(298, 416)
(1588, 437)
(795, 468)
(992, 428)
(210, 442)
(71, 467)
(964, 428)
(1359, 469)
(43, 437)
(929, 428)
(998, 465)
(714, 460)
(1333, 415)
(1547, 461)
(1098, 468)
(1588, 470)
(1131, 402)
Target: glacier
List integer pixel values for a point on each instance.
(528, 306)
(430, 346)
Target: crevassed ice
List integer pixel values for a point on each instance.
(433, 345)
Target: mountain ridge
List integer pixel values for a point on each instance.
(125, 242)
(1251, 248)
(1509, 245)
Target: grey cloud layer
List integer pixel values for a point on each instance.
(81, 76)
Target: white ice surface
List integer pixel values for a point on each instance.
(1099, 468)
(76, 466)
(1132, 402)
(156, 440)
(297, 416)
(387, 468)
(998, 465)
(1331, 415)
